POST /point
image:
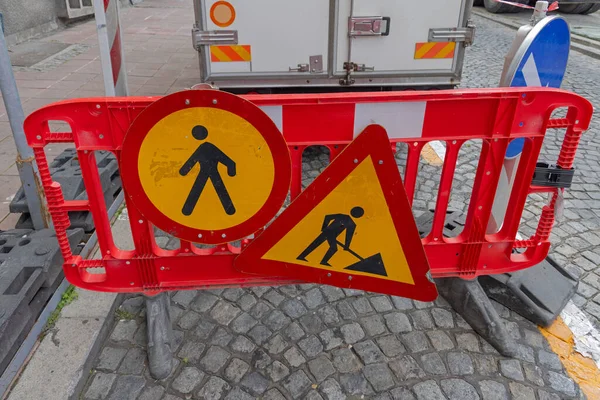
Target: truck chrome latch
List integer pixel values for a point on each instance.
(315, 65)
(210, 38)
(465, 35)
(368, 26)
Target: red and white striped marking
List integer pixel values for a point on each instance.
(111, 49)
(400, 119)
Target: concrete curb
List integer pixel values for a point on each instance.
(579, 43)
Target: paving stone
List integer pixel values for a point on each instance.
(352, 333)
(184, 297)
(362, 305)
(369, 352)
(534, 338)
(468, 342)
(274, 297)
(332, 293)
(297, 383)
(110, 358)
(329, 315)
(543, 395)
(277, 371)
(100, 386)
(239, 394)
(549, 360)
(533, 374)
(321, 368)
(401, 393)
(259, 291)
(276, 320)
(458, 389)
(379, 376)
(525, 353)
(381, 303)
(492, 390)
(260, 334)
(428, 390)
(293, 332)
(204, 302)
(289, 290)
(214, 359)
(521, 392)
(232, 294)
(433, 364)
(213, 389)
(311, 323)
(260, 310)
(171, 397)
(422, 320)
(313, 298)
(311, 346)
(330, 339)
(313, 395)
(152, 393)
(255, 383)
(415, 342)
(187, 379)
(355, 384)
(390, 345)
(406, 368)
(561, 383)
(132, 305)
(242, 344)
(460, 364)
(353, 292)
(221, 337)
(246, 302)
(224, 312)
(486, 364)
(276, 345)
(294, 308)
(133, 363)
(236, 370)
(203, 329)
(440, 340)
(402, 303)
(260, 359)
(243, 323)
(294, 357)
(273, 394)
(345, 361)
(331, 390)
(373, 325)
(124, 331)
(188, 320)
(397, 322)
(346, 311)
(511, 369)
(127, 387)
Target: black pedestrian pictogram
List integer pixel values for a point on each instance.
(208, 156)
(333, 226)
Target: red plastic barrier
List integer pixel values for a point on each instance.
(496, 116)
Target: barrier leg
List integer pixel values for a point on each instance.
(470, 301)
(160, 335)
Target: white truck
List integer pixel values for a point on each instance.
(331, 45)
(565, 6)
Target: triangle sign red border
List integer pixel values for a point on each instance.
(372, 142)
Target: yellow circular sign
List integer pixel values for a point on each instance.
(210, 175)
(205, 166)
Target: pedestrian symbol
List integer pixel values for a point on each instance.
(208, 157)
(352, 227)
(206, 166)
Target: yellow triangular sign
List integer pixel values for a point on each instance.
(373, 233)
(352, 227)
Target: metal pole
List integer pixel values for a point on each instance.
(25, 160)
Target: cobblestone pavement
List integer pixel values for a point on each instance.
(320, 342)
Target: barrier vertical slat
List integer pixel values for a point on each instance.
(296, 184)
(93, 185)
(444, 190)
(412, 168)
